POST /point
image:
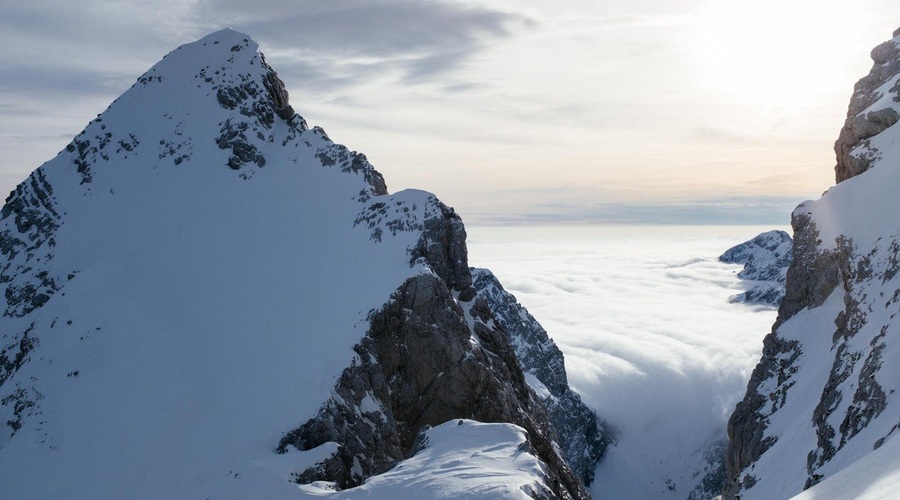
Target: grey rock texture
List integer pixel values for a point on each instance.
(420, 367)
(443, 247)
(811, 277)
(713, 470)
(766, 258)
(433, 353)
(813, 274)
(853, 147)
(582, 435)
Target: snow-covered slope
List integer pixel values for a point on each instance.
(875, 476)
(765, 258)
(458, 459)
(198, 286)
(824, 393)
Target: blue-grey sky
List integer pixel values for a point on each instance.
(690, 111)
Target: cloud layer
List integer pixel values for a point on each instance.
(650, 339)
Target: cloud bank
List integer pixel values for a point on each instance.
(650, 339)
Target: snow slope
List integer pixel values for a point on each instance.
(875, 476)
(824, 394)
(458, 459)
(184, 285)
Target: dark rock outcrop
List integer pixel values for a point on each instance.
(766, 258)
(421, 365)
(853, 149)
(813, 274)
(443, 247)
(582, 435)
(811, 277)
(433, 353)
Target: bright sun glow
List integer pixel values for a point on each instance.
(777, 52)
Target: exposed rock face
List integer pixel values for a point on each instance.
(428, 358)
(822, 394)
(432, 354)
(582, 436)
(766, 259)
(869, 114)
(713, 470)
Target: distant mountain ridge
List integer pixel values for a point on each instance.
(766, 258)
(824, 394)
(202, 286)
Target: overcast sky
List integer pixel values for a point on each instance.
(701, 111)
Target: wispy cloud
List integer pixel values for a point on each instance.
(416, 39)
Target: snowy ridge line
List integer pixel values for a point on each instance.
(183, 287)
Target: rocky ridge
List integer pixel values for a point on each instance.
(433, 353)
(583, 437)
(766, 259)
(822, 395)
(867, 115)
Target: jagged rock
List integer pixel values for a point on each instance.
(277, 92)
(583, 438)
(813, 274)
(766, 258)
(713, 470)
(853, 149)
(419, 367)
(443, 247)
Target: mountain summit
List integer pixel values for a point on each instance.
(206, 298)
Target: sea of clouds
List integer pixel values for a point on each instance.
(651, 340)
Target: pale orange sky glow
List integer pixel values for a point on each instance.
(520, 111)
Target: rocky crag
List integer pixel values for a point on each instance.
(437, 351)
(824, 393)
(201, 285)
(766, 259)
(583, 437)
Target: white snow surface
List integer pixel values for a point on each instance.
(875, 476)
(462, 459)
(211, 309)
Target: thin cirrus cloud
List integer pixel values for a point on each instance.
(75, 58)
(414, 39)
(550, 206)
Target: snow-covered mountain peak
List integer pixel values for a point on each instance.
(201, 286)
(221, 79)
